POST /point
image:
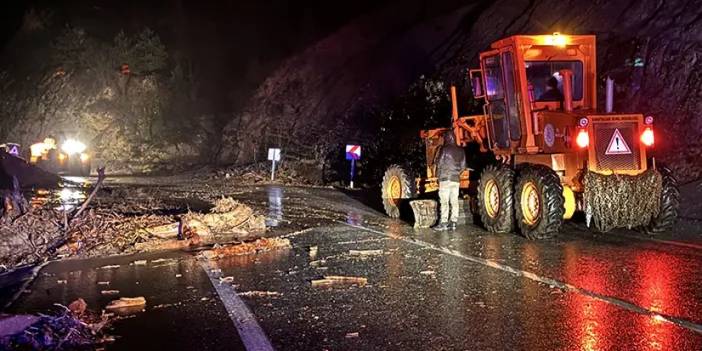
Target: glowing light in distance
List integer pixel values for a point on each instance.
(72, 146)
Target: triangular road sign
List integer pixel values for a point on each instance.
(14, 150)
(617, 145)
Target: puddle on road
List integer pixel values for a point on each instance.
(66, 197)
(274, 216)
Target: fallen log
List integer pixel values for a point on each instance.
(332, 280)
(249, 248)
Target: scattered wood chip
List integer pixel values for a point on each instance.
(427, 272)
(332, 280)
(109, 292)
(178, 275)
(228, 279)
(365, 252)
(351, 335)
(127, 305)
(256, 293)
(313, 252)
(62, 281)
(172, 244)
(113, 266)
(103, 283)
(166, 231)
(165, 305)
(247, 248)
(78, 306)
(317, 263)
(139, 263)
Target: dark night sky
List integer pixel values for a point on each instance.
(233, 44)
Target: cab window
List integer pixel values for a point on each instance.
(547, 82)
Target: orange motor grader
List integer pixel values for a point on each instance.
(547, 152)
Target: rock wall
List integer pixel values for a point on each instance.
(329, 90)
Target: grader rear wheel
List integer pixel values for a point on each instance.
(540, 202)
(670, 203)
(397, 186)
(495, 199)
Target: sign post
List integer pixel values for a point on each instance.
(353, 153)
(274, 156)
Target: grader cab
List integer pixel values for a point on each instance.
(546, 151)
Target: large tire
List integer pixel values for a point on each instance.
(496, 199)
(540, 203)
(397, 187)
(670, 203)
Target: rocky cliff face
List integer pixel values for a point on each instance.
(651, 48)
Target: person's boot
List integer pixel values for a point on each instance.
(441, 227)
(452, 226)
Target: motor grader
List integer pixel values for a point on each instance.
(545, 151)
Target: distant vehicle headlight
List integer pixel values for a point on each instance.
(72, 146)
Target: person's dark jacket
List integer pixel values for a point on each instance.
(451, 160)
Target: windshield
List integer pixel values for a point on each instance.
(547, 82)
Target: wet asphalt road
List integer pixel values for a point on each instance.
(466, 290)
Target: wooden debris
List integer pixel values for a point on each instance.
(228, 279)
(163, 245)
(109, 292)
(365, 252)
(331, 280)
(313, 252)
(247, 248)
(228, 216)
(127, 304)
(165, 231)
(110, 266)
(139, 263)
(256, 293)
(351, 335)
(78, 306)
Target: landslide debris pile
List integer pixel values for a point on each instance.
(64, 328)
(118, 228)
(288, 172)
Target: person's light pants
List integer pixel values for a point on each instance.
(448, 196)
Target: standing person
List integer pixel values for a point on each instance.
(451, 162)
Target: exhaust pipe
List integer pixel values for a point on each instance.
(567, 89)
(609, 102)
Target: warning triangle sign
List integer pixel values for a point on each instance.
(14, 150)
(617, 145)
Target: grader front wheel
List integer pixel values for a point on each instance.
(495, 199)
(540, 202)
(397, 186)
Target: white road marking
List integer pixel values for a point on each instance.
(565, 286)
(252, 336)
